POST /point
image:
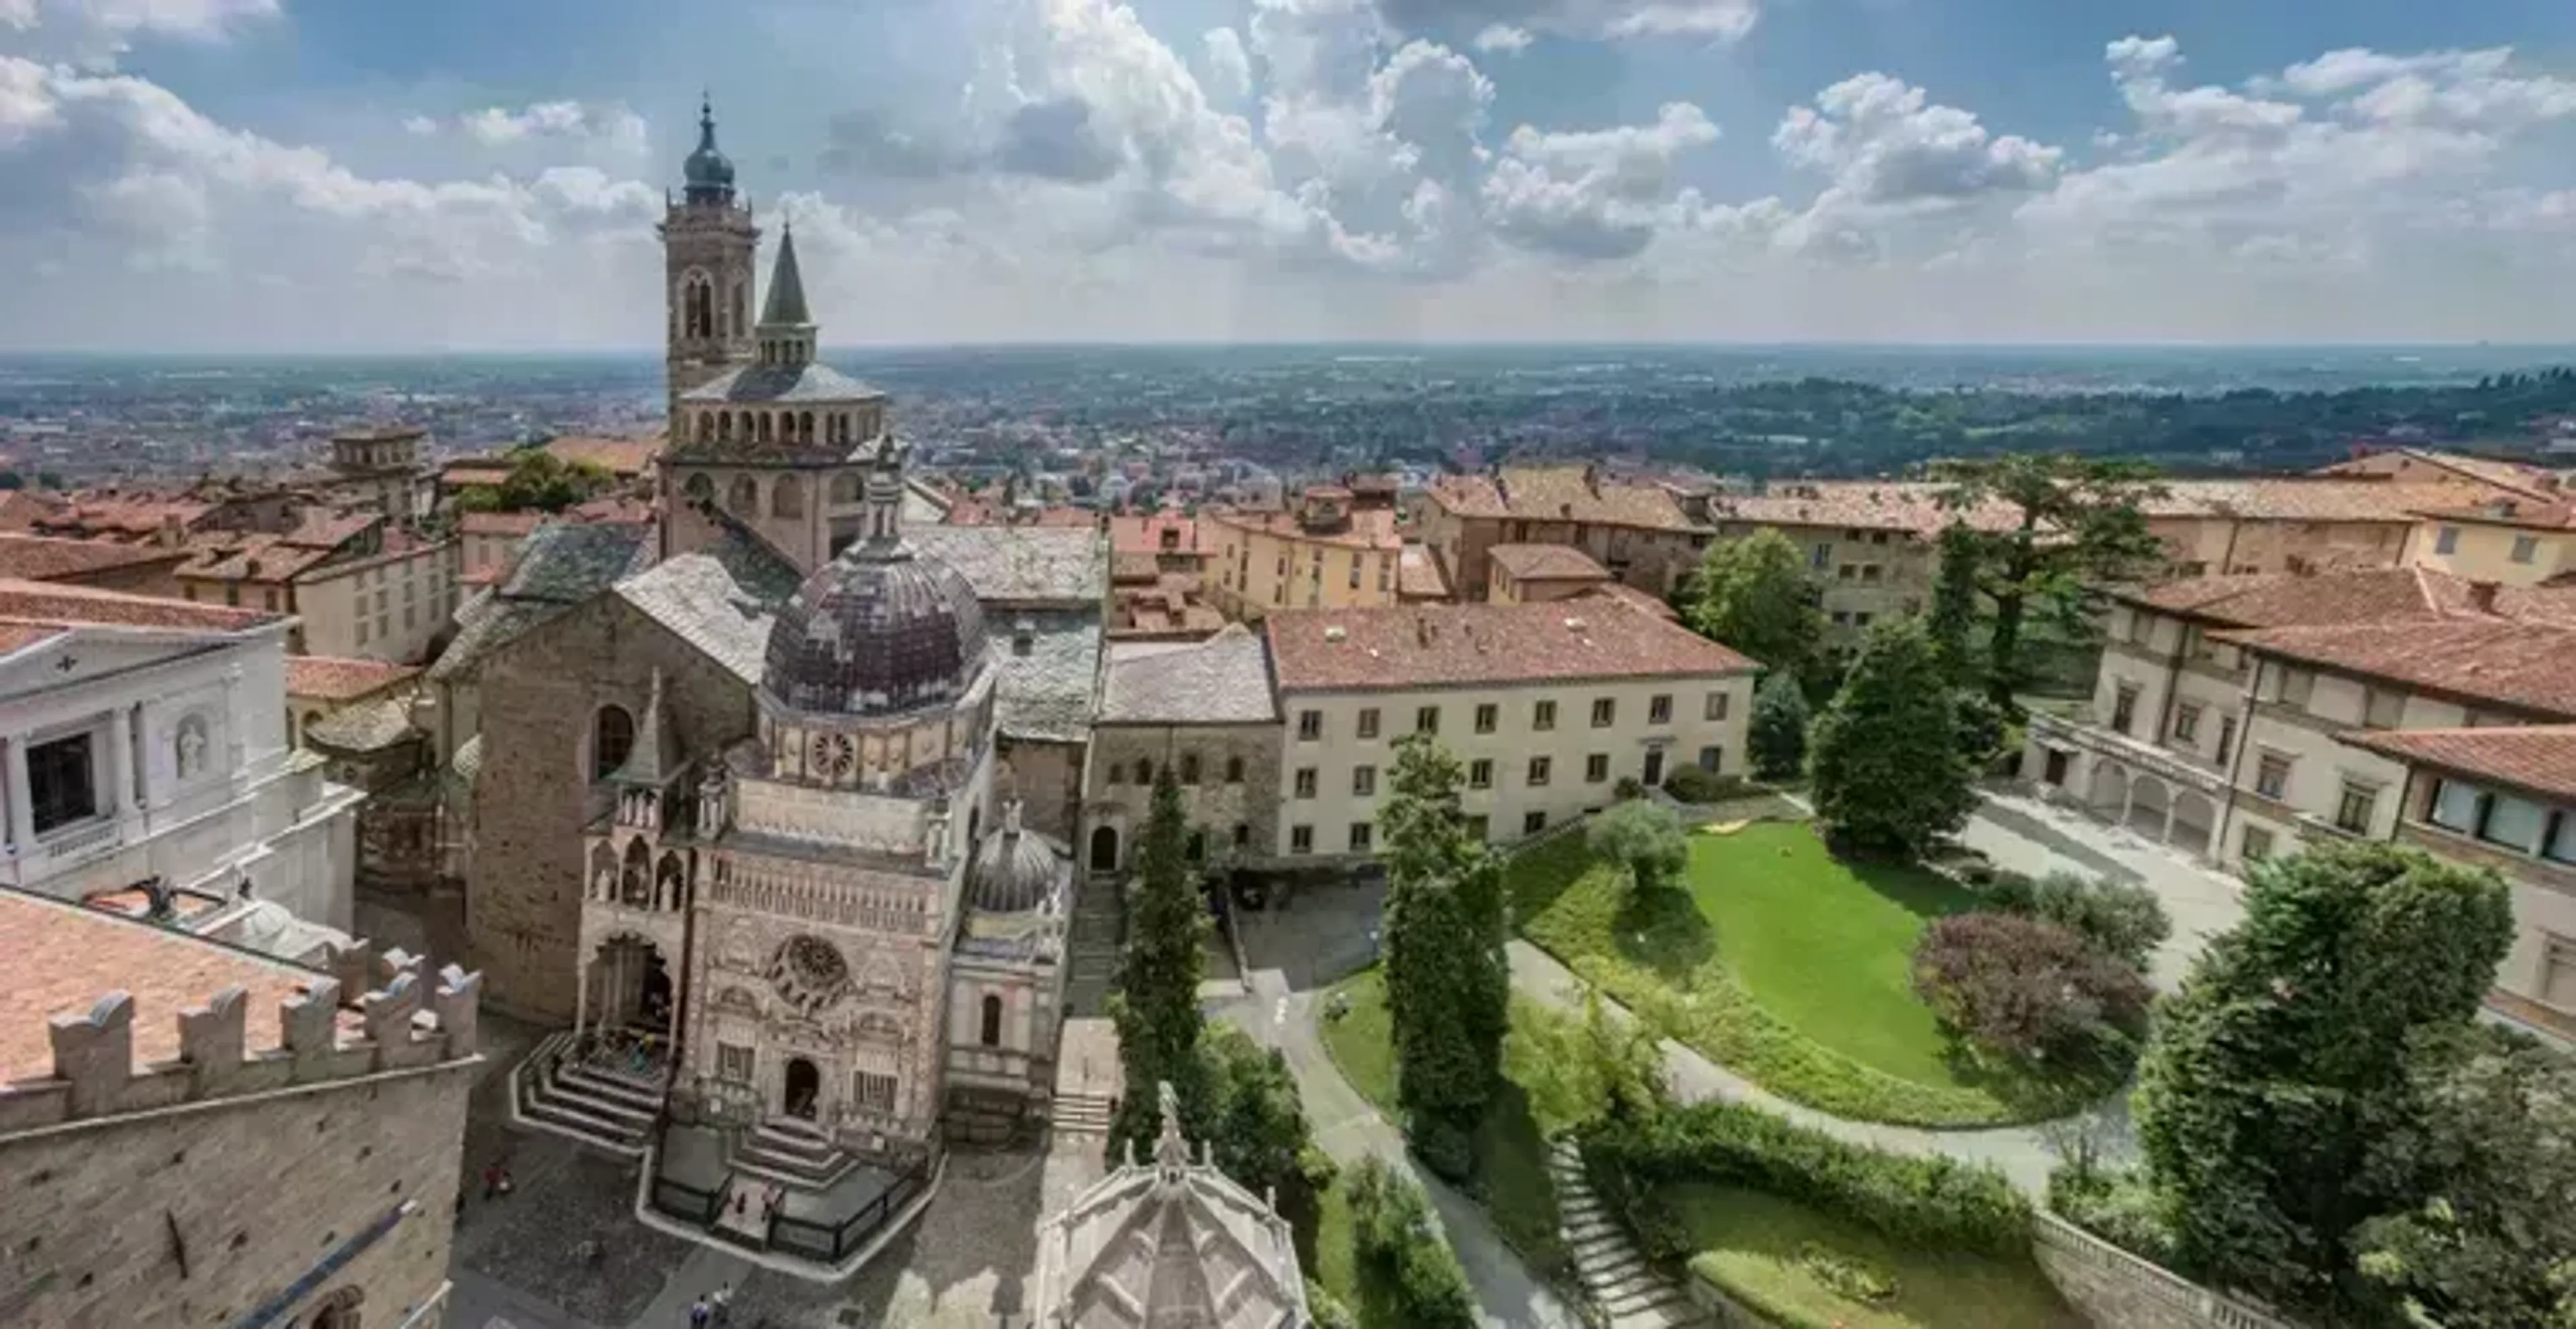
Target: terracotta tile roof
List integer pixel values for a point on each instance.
(624, 458)
(466, 471)
(1413, 646)
(106, 513)
(2521, 514)
(2299, 499)
(333, 678)
(499, 523)
(2522, 477)
(1643, 601)
(2524, 665)
(1369, 528)
(1561, 493)
(2538, 758)
(1145, 535)
(44, 558)
(21, 509)
(1546, 563)
(1418, 575)
(321, 528)
(2322, 599)
(268, 558)
(63, 958)
(52, 602)
(1912, 507)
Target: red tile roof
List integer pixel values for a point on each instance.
(43, 558)
(1369, 528)
(52, 602)
(1913, 507)
(2522, 514)
(499, 523)
(2299, 499)
(1418, 575)
(1145, 534)
(1413, 646)
(1561, 493)
(1546, 563)
(2348, 598)
(63, 958)
(333, 678)
(2522, 477)
(2537, 758)
(2524, 665)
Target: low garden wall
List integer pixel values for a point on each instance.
(2117, 1290)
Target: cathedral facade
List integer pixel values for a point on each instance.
(745, 813)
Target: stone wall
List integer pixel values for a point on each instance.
(201, 1191)
(1213, 803)
(2117, 1290)
(1046, 777)
(538, 696)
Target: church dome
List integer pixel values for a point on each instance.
(707, 170)
(1014, 872)
(876, 633)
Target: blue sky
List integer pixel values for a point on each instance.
(485, 174)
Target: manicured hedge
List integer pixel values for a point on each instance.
(1396, 1240)
(1933, 1202)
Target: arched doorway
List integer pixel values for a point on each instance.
(804, 1085)
(1104, 849)
(627, 987)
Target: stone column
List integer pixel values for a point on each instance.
(2173, 804)
(581, 1001)
(22, 810)
(120, 762)
(2128, 800)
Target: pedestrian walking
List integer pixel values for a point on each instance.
(700, 1315)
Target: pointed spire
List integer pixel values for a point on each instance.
(656, 757)
(1171, 1150)
(786, 304)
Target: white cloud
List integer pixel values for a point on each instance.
(610, 126)
(1503, 39)
(94, 31)
(1229, 67)
(1614, 20)
(1596, 194)
(1884, 143)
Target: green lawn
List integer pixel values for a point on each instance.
(1756, 1247)
(1786, 965)
(1511, 1157)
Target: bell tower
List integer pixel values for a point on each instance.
(708, 247)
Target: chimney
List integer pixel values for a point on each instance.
(173, 533)
(2482, 596)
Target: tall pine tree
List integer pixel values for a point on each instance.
(1156, 1004)
(1889, 777)
(2075, 524)
(1776, 735)
(1952, 619)
(1448, 986)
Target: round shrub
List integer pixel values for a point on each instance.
(2027, 988)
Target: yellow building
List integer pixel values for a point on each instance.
(2306, 524)
(358, 585)
(2509, 541)
(1638, 531)
(1324, 554)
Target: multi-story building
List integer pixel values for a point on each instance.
(2306, 524)
(2243, 718)
(1204, 711)
(1871, 547)
(1549, 705)
(145, 744)
(194, 1133)
(1639, 531)
(150, 568)
(2426, 466)
(358, 584)
(487, 542)
(321, 686)
(1325, 554)
(1535, 573)
(2510, 541)
(379, 468)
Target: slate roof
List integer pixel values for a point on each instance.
(2538, 758)
(1223, 680)
(1065, 567)
(558, 566)
(1414, 646)
(1046, 695)
(701, 601)
(756, 384)
(366, 727)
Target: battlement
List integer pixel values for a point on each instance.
(412, 1020)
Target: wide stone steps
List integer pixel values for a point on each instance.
(1081, 1114)
(1630, 1293)
(610, 1109)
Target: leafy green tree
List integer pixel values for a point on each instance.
(2493, 1246)
(1448, 987)
(1952, 619)
(539, 481)
(1579, 1072)
(1644, 837)
(2075, 523)
(1887, 773)
(1258, 1129)
(1155, 1005)
(1776, 732)
(1755, 595)
(1401, 1248)
(2280, 1071)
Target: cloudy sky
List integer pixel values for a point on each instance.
(485, 174)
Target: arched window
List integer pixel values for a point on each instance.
(764, 426)
(742, 426)
(706, 428)
(1242, 835)
(1117, 772)
(698, 308)
(992, 1020)
(1189, 768)
(612, 739)
(805, 427)
(1144, 771)
(1234, 770)
(744, 497)
(340, 1309)
(786, 497)
(845, 486)
(698, 488)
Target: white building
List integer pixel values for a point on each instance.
(145, 747)
(1548, 705)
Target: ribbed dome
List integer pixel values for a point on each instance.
(708, 173)
(1013, 873)
(875, 633)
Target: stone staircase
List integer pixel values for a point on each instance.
(791, 1153)
(612, 1109)
(1099, 926)
(1628, 1291)
(1081, 1114)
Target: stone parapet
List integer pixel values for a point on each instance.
(411, 1021)
(2116, 1289)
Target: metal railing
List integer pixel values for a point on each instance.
(830, 1243)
